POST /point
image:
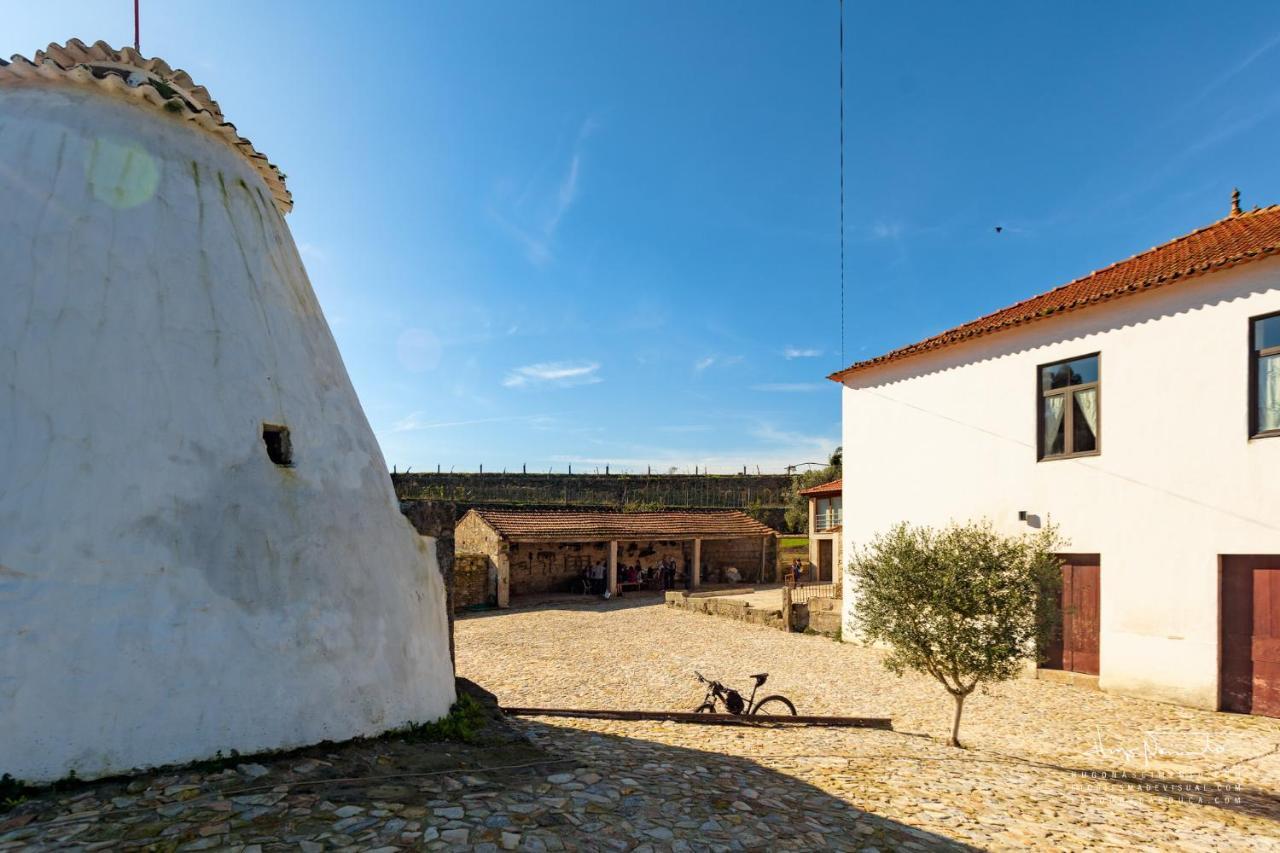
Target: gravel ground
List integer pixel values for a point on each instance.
(1047, 765)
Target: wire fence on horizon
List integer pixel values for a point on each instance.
(588, 489)
(621, 470)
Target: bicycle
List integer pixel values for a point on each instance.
(769, 706)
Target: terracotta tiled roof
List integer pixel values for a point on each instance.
(832, 488)
(603, 525)
(126, 72)
(1238, 239)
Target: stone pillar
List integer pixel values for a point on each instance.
(764, 557)
(613, 567)
(502, 562)
(697, 563)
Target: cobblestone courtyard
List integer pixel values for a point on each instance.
(1048, 766)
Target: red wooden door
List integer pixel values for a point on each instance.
(1250, 611)
(1075, 643)
(1265, 647)
(1081, 600)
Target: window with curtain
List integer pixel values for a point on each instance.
(1265, 342)
(1069, 397)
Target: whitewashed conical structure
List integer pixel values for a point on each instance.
(178, 574)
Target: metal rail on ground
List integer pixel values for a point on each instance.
(705, 719)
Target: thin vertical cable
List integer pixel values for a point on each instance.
(137, 37)
(842, 361)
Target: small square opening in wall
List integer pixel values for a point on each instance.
(279, 445)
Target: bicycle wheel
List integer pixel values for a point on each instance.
(705, 708)
(774, 706)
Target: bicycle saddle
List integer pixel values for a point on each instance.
(761, 678)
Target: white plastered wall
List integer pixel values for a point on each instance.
(951, 435)
(166, 591)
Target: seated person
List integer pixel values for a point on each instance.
(732, 575)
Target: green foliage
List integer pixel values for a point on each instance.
(643, 506)
(12, 792)
(797, 516)
(965, 604)
(757, 510)
(218, 762)
(466, 719)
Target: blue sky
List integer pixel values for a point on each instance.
(598, 233)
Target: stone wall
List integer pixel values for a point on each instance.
(735, 491)
(726, 607)
(472, 535)
(437, 521)
(719, 554)
(473, 581)
(554, 566)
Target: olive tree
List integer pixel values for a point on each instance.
(964, 604)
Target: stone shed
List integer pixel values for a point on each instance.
(546, 551)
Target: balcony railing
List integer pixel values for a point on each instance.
(827, 520)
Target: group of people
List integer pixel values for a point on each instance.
(664, 573)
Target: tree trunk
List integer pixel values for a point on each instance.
(955, 725)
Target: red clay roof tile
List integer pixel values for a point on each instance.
(822, 490)
(1238, 239)
(603, 525)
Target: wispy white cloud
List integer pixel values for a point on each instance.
(886, 230)
(713, 360)
(1226, 76)
(800, 352)
(764, 446)
(419, 421)
(817, 445)
(787, 387)
(557, 374)
(682, 428)
(313, 253)
(534, 219)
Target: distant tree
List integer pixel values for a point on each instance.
(797, 515)
(965, 604)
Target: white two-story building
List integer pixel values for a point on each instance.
(1136, 408)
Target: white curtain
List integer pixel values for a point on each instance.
(1269, 393)
(1053, 411)
(1087, 403)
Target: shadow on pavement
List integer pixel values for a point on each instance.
(709, 800)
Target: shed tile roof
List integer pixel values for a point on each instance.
(127, 72)
(602, 525)
(1238, 239)
(822, 490)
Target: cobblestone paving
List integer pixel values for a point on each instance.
(1048, 766)
(599, 785)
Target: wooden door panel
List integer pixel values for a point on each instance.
(1074, 645)
(824, 559)
(1086, 602)
(1265, 645)
(1236, 671)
